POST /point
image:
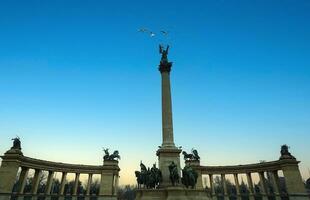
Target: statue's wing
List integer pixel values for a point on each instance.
(160, 49)
(195, 152)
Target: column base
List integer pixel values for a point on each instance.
(5, 196)
(106, 198)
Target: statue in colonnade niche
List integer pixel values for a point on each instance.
(111, 157)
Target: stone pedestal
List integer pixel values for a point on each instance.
(171, 193)
(8, 172)
(108, 184)
(294, 182)
(165, 157)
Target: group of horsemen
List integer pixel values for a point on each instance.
(152, 177)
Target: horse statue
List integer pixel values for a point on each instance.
(189, 177)
(187, 156)
(113, 156)
(195, 154)
(191, 156)
(174, 175)
(139, 179)
(16, 143)
(149, 178)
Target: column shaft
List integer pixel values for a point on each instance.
(167, 124)
(264, 191)
(211, 185)
(36, 181)
(63, 182)
(224, 186)
(250, 183)
(237, 184)
(22, 180)
(76, 183)
(275, 184)
(49, 182)
(90, 176)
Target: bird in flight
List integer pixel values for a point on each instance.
(145, 30)
(165, 33)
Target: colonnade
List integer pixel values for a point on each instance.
(13, 161)
(289, 167)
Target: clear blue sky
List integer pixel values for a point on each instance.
(76, 76)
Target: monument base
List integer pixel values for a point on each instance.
(171, 193)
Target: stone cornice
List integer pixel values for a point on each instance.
(59, 166)
(248, 168)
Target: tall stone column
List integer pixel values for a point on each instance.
(167, 153)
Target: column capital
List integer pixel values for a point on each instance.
(165, 67)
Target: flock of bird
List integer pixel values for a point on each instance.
(151, 33)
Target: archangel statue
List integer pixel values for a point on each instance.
(164, 54)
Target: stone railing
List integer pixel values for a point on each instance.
(266, 171)
(13, 162)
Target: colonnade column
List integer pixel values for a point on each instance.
(237, 186)
(250, 185)
(22, 180)
(275, 184)
(90, 176)
(36, 181)
(224, 186)
(264, 191)
(89, 181)
(49, 184)
(63, 182)
(76, 184)
(212, 186)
